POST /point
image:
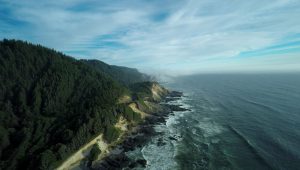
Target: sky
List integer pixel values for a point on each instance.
(175, 37)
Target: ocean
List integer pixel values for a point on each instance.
(246, 121)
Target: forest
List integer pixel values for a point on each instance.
(51, 104)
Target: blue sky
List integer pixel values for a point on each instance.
(164, 36)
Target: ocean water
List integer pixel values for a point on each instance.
(235, 122)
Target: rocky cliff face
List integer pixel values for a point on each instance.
(158, 92)
(145, 108)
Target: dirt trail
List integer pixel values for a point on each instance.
(83, 152)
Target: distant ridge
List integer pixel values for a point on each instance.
(123, 75)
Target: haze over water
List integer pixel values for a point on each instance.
(236, 122)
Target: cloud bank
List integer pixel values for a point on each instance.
(175, 37)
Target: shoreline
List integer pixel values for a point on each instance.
(142, 134)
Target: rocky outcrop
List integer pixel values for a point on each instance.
(138, 138)
(111, 156)
(158, 92)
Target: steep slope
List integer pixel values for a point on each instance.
(123, 75)
(143, 107)
(52, 104)
(148, 91)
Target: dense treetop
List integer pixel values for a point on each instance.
(124, 75)
(52, 104)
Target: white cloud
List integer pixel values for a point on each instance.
(186, 36)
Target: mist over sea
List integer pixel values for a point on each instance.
(236, 122)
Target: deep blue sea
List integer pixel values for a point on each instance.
(242, 121)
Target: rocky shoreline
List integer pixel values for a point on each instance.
(117, 159)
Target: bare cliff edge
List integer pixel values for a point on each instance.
(145, 102)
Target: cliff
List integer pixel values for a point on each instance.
(51, 105)
(145, 107)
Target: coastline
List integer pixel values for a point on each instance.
(142, 134)
(154, 109)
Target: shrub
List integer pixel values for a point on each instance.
(95, 151)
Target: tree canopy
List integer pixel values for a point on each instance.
(52, 104)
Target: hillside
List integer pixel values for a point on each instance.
(52, 104)
(123, 75)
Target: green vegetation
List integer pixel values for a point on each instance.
(123, 75)
(141, 90)
(95, 151)
(128, 113)
(111, 134)
(52, 104)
